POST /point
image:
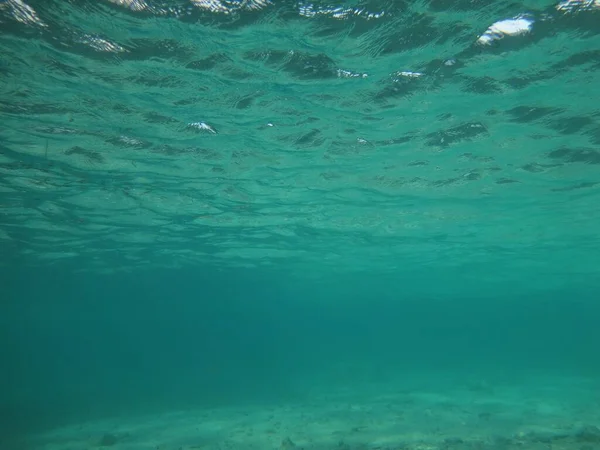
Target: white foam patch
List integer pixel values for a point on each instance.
(569, 6)
(509, 27)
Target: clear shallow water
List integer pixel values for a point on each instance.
(209, 202)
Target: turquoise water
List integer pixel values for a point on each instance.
(212, 204)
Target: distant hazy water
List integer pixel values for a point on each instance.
(205, 201)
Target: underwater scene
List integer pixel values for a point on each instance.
(299, 225)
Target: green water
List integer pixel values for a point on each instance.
(225, 203)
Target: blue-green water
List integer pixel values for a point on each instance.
(211, 204)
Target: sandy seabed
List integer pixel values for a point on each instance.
(537, 412)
